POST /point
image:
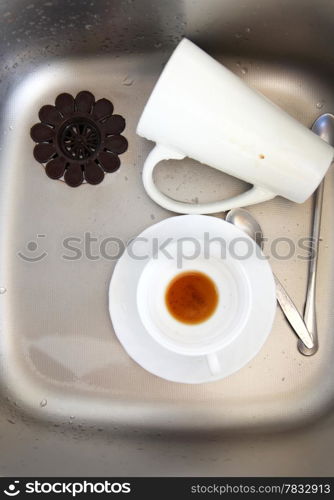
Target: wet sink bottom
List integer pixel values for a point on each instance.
(59, 247)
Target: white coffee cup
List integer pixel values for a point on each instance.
(220, 329)
(200, 109)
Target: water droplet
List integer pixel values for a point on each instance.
(3, 290)
(158, 45)
(238, 35)
(11, 127)
(128, 81)
(88, 27)
(244, 71)
(320, 104)
(248, 30)
(43, 403)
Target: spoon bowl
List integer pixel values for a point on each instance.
(244, 220)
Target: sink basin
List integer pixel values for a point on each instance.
(72, 401)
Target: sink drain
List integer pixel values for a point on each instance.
(79, 139)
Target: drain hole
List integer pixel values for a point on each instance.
(79, 139)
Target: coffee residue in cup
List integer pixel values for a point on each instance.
(191, 297)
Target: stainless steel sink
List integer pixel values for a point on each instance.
(72, 401)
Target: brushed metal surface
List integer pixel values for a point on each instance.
(65, 379)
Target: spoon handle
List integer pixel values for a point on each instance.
(292, 315)
(310, 312)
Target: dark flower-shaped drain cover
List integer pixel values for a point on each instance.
(79, 139)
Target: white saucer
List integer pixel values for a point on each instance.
(143, 348)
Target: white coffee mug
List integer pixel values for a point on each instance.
(200, 109)
(221, 328)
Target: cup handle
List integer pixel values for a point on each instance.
(213, 363)
(254, 195)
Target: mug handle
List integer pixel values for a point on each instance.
(254, 195)
(213, 363)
